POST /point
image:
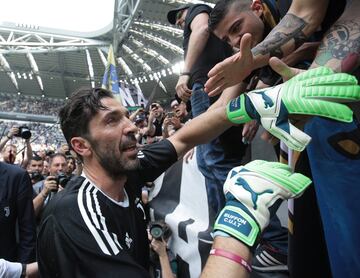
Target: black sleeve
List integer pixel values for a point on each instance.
(156, 159)
(193, 12)
(26, 220)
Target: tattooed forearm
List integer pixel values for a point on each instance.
(341, 47)
(289, 28)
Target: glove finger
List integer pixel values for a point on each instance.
(293, 137)
(320, 71)
(331, 110)
(336, 79)
(281, 175)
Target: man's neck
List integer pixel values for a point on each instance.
(112, 187)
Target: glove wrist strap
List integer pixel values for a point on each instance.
(237, 223)
(236, 110)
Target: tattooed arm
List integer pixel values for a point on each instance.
(302, 20)
(340, 47)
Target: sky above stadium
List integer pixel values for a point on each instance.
(72, 15)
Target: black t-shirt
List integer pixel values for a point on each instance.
(158, 126)
(214, 52)
(84, 233)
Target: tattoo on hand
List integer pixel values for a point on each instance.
(290, 28)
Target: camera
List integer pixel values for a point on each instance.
(62, 179)
(36, 176)
(24, 132)
(170, 114)
(159, 230)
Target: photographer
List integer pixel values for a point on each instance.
(46, 188)
(170, 125)
(35, 169)
(9, 151)
(163, 261)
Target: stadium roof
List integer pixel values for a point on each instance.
(53, 60)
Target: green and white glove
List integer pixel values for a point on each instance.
(314, 92)
(253, 194)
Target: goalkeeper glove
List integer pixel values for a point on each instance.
(253, 194)
(314, 92)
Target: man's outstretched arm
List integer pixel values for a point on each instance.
(302, 20)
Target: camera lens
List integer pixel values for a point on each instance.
(62, 179)
(156, 231)
(24, 132)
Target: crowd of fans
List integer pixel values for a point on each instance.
(30, 104)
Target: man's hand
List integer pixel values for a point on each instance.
(283, 69)
(182, 89)
(232, 70)
(249, 131)
(12, 132)
(159, 246)
(50, 185)
(176, 122)
(253, 194)
(313, 92)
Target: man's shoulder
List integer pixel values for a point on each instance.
(11, 169)
(38, 186)
(68, 197)
(197, 9)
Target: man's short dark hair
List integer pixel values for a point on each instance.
(56, 155)
(221, 9)
(36, 158)
(79, 110)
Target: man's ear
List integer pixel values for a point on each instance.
(81, 146)
(257, 7)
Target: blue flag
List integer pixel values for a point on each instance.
(110, 79)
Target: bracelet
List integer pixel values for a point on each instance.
(231, 256)
(185, 73)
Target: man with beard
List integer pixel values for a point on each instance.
(96, 226)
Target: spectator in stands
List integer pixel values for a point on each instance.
(35, 169)
(156, 119)
(71, 165)
(9, 152)
(180, 110)
(171, 124)
(45, 171)
(16, 215)
(46, 188)
(163, 262)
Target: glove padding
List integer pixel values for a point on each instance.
(310, 93)
(253, 194)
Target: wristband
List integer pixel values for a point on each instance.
(236, 111)
(231, 256)
(185, 73)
